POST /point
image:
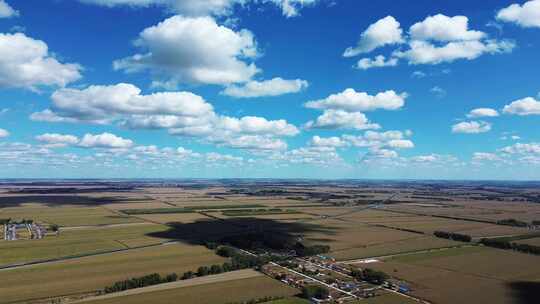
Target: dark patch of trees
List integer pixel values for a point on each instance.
(504, 244)
(453, 236)
(137, 282)
(314, 291)
(512, 222)
(257, 301)
(303, 250)
(370, 275)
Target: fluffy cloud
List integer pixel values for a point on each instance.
(386, 31)
(519, 148)
(444, 28)
(400, 144)
(378, 140)
(378, 62)
(106, 103)
(483, 112)
(274, 87)
(526, 15)
(3, 133)
(471, 127)
(291, 8)
(525, 106)
(334, 141)
(27, 63)
(424, 52)
(194, 50)
(339, 119)
(6, 11)
(105, 140)
(321, 156)
(249, 132)
(350, 100)
(55, 140)
(434, 40)
(182, 113)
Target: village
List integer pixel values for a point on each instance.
(324, 280)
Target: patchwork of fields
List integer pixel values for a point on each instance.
(109, 236)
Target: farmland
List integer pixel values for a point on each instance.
(105, 236)
(226, 291)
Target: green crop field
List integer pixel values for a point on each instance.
(72, 242)
(215, 293)
(94, 273)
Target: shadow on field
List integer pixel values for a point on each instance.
(526, 292)
(60, 200)
(242, 232)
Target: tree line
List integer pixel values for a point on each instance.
(237, 261)
(453, 236)
(504, 244)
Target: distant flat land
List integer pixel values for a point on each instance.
(99, 244)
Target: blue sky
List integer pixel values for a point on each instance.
(270, 88)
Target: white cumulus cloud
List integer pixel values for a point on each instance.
(378, 62)
(444, 28)
(523, 107)
(471, 127)
(386, 31)
(526, 15)
(483, 112)
(193, 50)
(351, 100)
(339, 119)
(6, 11)
(273, 87)
(105, 140)
(55, 140)
(27, 63)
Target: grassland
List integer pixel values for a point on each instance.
(93, 273)
(213, 293)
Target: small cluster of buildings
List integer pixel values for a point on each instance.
(17, 231)
(325, 272)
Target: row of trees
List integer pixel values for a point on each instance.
(260, 300)
(370, 275)
(453, 236)
(504, 244)
(238, 261)
(137, 282)
(512, 222)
